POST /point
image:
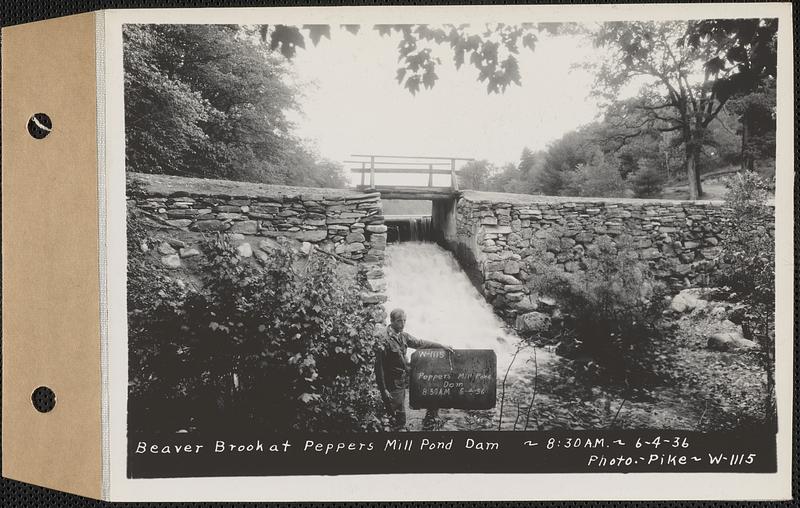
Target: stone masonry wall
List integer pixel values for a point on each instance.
(499, 232)
(346, 223)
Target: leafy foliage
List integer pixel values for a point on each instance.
(694, 69)
(211, 101)
(492, 49)
(611, 309)
(647, 182)
(600, 178)
(285, 347)
(756, 112)
(475, 175)
(507, 179)
(749, 268)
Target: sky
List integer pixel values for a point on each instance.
(352, 103)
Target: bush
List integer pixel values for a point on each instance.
(647, 181)
(748, 267)
(611, 307)
(279, 347)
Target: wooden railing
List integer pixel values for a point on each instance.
(405, 164)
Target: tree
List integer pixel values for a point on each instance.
(647, 181)
(749, 270)
(692, 72)
(562, 156)
(491, 49)
(475, 175)
(600, 177)
(756, 113)
(749, 48)
(531, 165)
(211, 101)
(508, 179)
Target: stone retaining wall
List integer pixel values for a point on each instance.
(345, 223)
(498, 235)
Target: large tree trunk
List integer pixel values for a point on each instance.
(693, 170)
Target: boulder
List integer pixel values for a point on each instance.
(729, 341)
(165, 249)
(719, 313)
(262, 256)
(525, 305)
(546, 302)
(687, 301)
(171, 261)
(533, 322)
(189, 252)
(244, 250)
(269, 244)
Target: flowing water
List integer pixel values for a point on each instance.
(442, 305)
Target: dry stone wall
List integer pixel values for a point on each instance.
(344, 223)
(498, 235)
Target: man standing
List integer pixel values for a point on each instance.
(392, 367)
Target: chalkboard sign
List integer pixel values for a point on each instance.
(465, 379)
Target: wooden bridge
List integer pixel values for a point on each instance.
(372, 165)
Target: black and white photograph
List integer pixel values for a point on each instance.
(437, 229)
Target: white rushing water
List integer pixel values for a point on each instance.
(441, 303)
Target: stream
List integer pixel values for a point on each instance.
(442, 305)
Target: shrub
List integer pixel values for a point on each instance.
(285, 347)
(612, 307)
(748, 267)
(647, 181)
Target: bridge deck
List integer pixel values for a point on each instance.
(407, 192)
